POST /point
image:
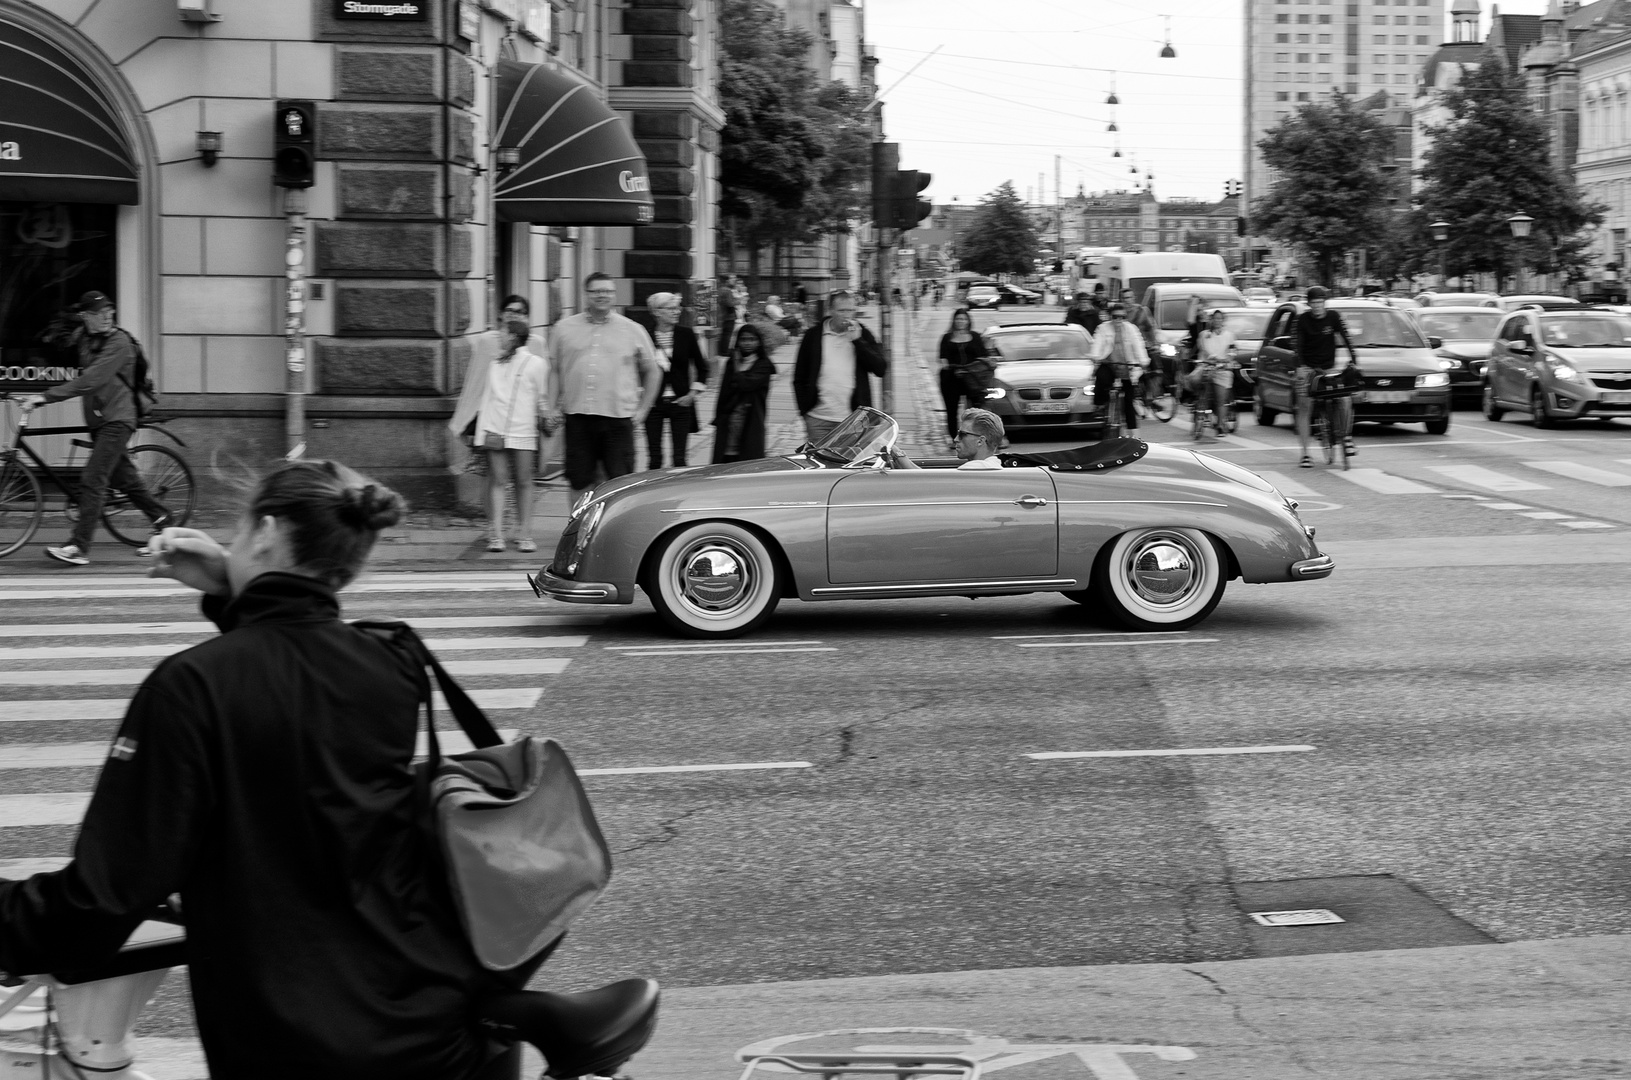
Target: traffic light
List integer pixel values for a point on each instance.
(885, 166)
(1240, 226)
(294, 144)
(909, 210)
(1232, 188)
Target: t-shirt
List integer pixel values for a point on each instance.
(1215, 346)
(1316, 338)
(600, 366)
(515, 398)
(980, 464)
(835, 386)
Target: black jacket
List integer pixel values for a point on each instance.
(686, 366)
(1315, 339)
(869, 359)
(750, 388)
(1089, 318)
(266, 776)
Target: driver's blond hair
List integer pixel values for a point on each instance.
(984, 424)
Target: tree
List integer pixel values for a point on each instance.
(1331, 192)
(1001, 238)
(1489, 161)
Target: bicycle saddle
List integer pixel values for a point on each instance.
(584, 1034)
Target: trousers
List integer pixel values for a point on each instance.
(108, 466)
(680, 426)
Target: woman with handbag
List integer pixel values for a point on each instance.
(744, 395)
(964, 370)
(684, 376)
(514, 408)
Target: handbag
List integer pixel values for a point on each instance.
(977, 377)
(1337, 383)
(524, 853)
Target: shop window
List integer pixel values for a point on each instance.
(52, 252)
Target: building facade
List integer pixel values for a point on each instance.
(412, 230)
(1603, 159)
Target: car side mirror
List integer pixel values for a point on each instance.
(1282, 342)
(1520, 346)
(1435, 342)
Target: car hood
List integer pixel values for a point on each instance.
(1466, 350)
(1043, 372)
(690, 474)
(1397, 361)
(1595, 359)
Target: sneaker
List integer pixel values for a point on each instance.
(495, 544)
(526, 545)
(1306, 463)
(146, 550)
(68, 553)
(1348, 448)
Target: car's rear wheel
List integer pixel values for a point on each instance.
(1438, 427)
(1160, 579)
(1492, 408)
(1539, 412)
(714, 580)
(1262, 413)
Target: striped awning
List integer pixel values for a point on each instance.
(60, 137)
(579, 163)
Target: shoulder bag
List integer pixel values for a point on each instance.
(524, 853)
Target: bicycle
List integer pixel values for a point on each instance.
(1331, 418)
(1213, 402)
(23, 502)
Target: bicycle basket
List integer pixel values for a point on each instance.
(1337, 384)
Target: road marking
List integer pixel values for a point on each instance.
(75, 677)
(714, 645)
(1546, 515)
(20, 712)
(1585, 525)
(13, 869)
(1093, 634)
(1475, 498)
(1576, 471)
(743, 766)
(1288, 486)
(1093, 644)
(524, 665)
(156, 590)
(90, 755)
(1506, 506)
(383, 578)
(137, 629)
(1384, 483)
(1488, 479)
(46, 808)
(723, 652)
(105, 652)
(1249, 444)
(1209, 751)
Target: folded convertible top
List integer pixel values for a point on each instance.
(1098, 457)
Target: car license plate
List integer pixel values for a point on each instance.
(1384, 397)
(1047, 406)
(1617, 397)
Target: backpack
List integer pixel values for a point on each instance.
(140, 384)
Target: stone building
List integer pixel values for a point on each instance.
(444, 179)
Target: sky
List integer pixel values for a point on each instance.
(1018, 81)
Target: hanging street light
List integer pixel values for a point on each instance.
(1167, 51)
(1112, 99)
(1440, 230)
(1112, 127)
(1520, 224)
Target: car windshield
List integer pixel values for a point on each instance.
(1460, 326)
(981, 290)
(1597, 332)
(1247, 325)
(1061, 344)
(863, 435)
(1174, 314)
(1381, 328)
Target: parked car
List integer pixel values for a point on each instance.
(1458, 299)
(1538, 300)
(1248, 324)
(1168, 302)
(1467, 334)
(1403, 303)
(1404, 381)
(1043, 377)
(1149, 534)
(1260, 295)
(1560, 365)
(1018, 294)
(983, 296)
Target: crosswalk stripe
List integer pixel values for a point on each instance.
(1248, 444)
(110, 652)
(380, 578)
(1576, 471)
(44, 808)
(157, 590)
(1488, 479)
(1585, 525)
(1383, 483)
(90, 755)
(18, 712)
(437, 622)
(1288, 486)
(524, 665)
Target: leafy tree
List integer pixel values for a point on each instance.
(1331, 193)
(1001, 238)
(1489, 161)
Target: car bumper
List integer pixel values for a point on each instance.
(1423, 405)
(1569, 402)
(1309, 569)
(1081, 414)
(552, 585)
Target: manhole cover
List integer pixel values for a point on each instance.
(1305, 917)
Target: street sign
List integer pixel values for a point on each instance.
(396, 11)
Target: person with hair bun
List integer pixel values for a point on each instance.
(266, 775)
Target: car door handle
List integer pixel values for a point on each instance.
(1031, 501)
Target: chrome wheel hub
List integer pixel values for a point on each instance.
(1163, 570)
(715, 577)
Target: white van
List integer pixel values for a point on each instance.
(1125, 270)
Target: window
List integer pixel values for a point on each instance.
(1281, 39)
(1325, 58)
(1302, 58)
(1302, 95)
(1379, 77)
(1401, 20)
(1302, 39)
(1323, 19)
(1379, 20)
(1282, 95)
(1421, 39)
(1324, 76)
(1401, 39)
(1324, 39)
(1379, 58)
(1379, 39)
(1418, 59)
(1282, 18)
(1303, 76)
(1302, 18)
(1401, 77)
(1400, 58)
(1282, 76)
(1282, 58)
(1422, 20)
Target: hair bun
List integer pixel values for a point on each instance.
(370, 507)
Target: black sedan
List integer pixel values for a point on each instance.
(1466, 335)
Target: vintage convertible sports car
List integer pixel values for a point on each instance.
(1152, 533)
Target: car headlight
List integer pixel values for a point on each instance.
(1448, 364)
(1167, 350)
(1564, 371)
(995, 392)
(586, 529)
(1437, 378)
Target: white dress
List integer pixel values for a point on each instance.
(514, 400)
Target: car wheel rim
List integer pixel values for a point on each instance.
(715, 578)
(1163, 570)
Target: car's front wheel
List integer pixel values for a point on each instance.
(1492, 406)
(1261, 412)
(714, 580)
(1160, 579)
(1438, 427)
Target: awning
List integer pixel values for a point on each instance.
(579, 163)
(60, 136)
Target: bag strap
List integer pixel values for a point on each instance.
(470, 718)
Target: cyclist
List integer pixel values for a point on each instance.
(1118, 348)
(1215, 349)
(1314, 343)
(107, 357)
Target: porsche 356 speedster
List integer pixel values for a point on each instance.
(1151, 533)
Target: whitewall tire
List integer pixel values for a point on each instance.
(714, 580)
(1161, 579)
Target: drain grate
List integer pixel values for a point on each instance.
(1359, 913)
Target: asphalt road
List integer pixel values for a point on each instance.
(1460, 681)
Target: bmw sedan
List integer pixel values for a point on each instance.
(1467, 334)
(1043, 379)
(1560, 365)
(983, 296)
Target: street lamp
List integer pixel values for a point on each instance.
(1441, 233)
(1167, 51)
(1520, 224)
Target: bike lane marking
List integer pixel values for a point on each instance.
(1488, 479)
(1106, 1061)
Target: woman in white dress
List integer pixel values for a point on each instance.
(513, 406)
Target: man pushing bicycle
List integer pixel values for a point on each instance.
(1314, 344)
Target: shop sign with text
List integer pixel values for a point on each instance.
(383, 10)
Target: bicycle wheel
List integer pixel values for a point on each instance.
(167, 478)
(1322, 413)
(1162, 403)
(22, 504)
